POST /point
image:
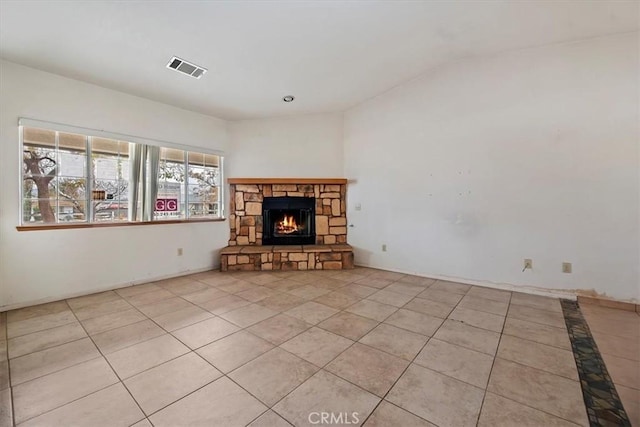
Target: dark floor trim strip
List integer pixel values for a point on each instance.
(601, 399)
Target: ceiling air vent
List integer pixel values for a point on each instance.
(186, 67)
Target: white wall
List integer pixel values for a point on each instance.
(41, 265)
(462, 173)
(483, 162)
(300, 147)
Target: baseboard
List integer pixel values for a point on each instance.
(554, 293)
(104, 289)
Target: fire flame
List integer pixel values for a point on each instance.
(287, 225)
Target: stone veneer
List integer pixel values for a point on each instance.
(246, 252)
(245, 217)
(286, 257)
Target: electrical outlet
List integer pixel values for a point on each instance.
(566, 267)
(179, 251)
(528, 264)
(384, 248)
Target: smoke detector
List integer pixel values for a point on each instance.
(186, 67)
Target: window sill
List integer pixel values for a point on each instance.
(113, 224)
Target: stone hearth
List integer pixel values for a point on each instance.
(287, 257)
(245, 250)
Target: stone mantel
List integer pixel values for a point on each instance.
(337, 181)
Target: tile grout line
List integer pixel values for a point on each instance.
(493, 362)
(537, 323)
(48, 348)
(181, 296)
(131, 345)
(110, 366)
(170, 332)
(534, 408)
(73, 400)
(79, 322)
(193, 351)
(198, 388)
(39, 330)
(534, 341)
(526, 366)
(152, 320)
(535, 307)
(131, 307)
(413, 361)
(482, 312)
(322, 368)
(539, 370)
(270, 408)
(61, 369)
(226, 375)
(6, 344)
(107, 361)
(357, 341)
(417, 354)
(619, 357)
(622, 337)
(223, 374)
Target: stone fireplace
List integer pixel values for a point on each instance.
(287, 224)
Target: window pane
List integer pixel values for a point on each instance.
(71, 210)
(110, 211)
(203, 201)
(33, 187)
(204, 184)
(72, 199)
(39, 160)
(39, 210)
(170, 202)
(110, 195)
(72, 164)
(39, 168)
(110, 189)
(105, 167)
(54, 181)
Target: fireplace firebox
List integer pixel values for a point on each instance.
(288, 221)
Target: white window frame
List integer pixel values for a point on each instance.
(88, 133)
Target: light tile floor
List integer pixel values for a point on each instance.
(275, 349)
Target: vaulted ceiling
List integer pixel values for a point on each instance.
(331, 55)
